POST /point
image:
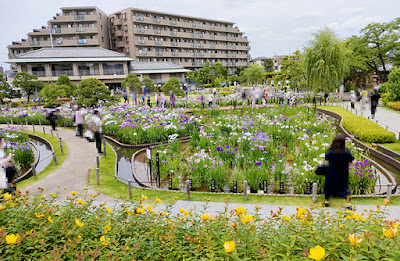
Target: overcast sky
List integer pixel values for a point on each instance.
(273, 27)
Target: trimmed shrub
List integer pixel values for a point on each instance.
(394, 105)
(15, 104)
(362, 128)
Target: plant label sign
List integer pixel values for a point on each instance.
(148, 153)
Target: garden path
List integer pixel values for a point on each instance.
(73, 173)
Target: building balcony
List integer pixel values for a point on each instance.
(119, 33)
(39, 73)
(35, 43)
(117, 21)
(73, 18)
(120, 44)
(113, 71)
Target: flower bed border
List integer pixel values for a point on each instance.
(391, 161)
(143, 145)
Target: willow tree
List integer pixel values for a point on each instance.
(326, 60)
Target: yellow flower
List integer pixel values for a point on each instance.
(300, 212)
(348, 212)
(80, 201)
(144, 197)
(53, 195)
(128, 212)
(158, 200)
(386, 202)
(78, 223)
(50, 219)
(205, 216)
(183, 211)
(176, 197)
(395, 228)
(229, 246)
(287, 218)
(38, 215)
(354, 239)
(317, 253)
(73, 193)
(7, 196)
(79, 236)
(140, 211)
(238, 211)
(104, 241)
(149, 208)
(388, 233)
(247, 219)
(109, 210)
(11, 238)
(163, 213)
(107, 228)
(356, 216)
(342, 226)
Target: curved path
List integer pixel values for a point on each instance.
(73, 173)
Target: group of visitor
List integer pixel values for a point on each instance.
(8, 171)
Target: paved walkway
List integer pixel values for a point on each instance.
(384, 117)
(73, 173)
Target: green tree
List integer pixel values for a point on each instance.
(326, 60)
(255, 74)
(268, 65)
(149, 84)
(204, 73)
(28, 83)
(392, 86)
(92, 91)
(239, 69)
(293, 70)
(219, 71)
(65, 83)
(376, 44)
(53, 91)
(4, 88)
(132, 82)
(173, 85)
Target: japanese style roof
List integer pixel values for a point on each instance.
(70, 54)
(155, 67)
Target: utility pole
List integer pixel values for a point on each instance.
(51, 35)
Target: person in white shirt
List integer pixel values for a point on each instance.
(97, 129)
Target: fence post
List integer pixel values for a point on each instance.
(34, 171)
(389, 192)
(130, 188)
(65, 124)
(44, 130)
(61, 146)
(51, 131)
(314, 192)
(170, 184)
(12, 123)
(26, 121)
(98, 169)
(187, 189)
(104, 147)
(387, 127)
(55, 158)
(33, 127)
(265, 187)
(40, 122)
(245, 190)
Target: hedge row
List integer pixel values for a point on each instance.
(394, 105)
(362, 128)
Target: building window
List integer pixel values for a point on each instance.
(88, 69)
(67, 13)
(113, 68)
(125, 28)
(38, 70)
(124, 16)
(64, 68)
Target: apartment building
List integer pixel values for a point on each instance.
(151, 36)
(277, 59)
(75, 27)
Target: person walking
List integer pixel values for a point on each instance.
(353, 98)
(375, 96)
(79, 121)
(97, 129)
(337, 174)
(133, 98)
(53, 115)
(126, 97)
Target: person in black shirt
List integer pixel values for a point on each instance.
(337, 175)
(11, 174)
(375, 96)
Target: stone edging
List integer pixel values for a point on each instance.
(139, 146)
(34, 164)
(373, 152)
(133, 167)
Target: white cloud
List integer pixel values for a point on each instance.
(308, 29)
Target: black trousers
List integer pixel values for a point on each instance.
(97, 137)
(79, 130)
(53, 124)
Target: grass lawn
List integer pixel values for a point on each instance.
(52, 166)
(111, 186)
(393, 146)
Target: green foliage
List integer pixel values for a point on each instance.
(374, 46)
(293, 70)
(219, 70)
(92, 92)
(77, 230)
(326, 60)
(173, 85)
(394, 105)
(149, 84)
(268, 65)
(132, 82)
(392, 86)
(255, 73)
(239, 69)
(27, 82)
(362, 128)
(4, 88)
(15, 104)
(204, 73)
